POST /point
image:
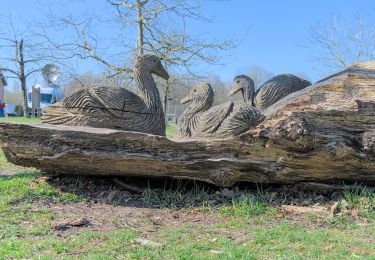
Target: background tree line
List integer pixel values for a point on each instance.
(158, 27)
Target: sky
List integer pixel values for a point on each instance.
(272, 33)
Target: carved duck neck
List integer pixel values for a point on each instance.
(201, 97)
(145, 66)
(246, 85)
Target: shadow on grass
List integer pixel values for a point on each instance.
(172, 193)
(243, 200)
(142, 192)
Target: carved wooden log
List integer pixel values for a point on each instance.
(322, 133)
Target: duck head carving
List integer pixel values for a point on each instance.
(201, 97)
(153, 64)
(244, 84)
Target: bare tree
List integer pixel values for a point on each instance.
(19, 65)
(89, 80)
(160, 30)
(22, 55)
(181, 85)
(341, 42)
(14, 95)
(220, 89)
(259, 75)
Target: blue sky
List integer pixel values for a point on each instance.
(273, 32)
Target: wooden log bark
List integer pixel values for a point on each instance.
(322, 133)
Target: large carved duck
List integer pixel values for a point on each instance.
(270, 92)
(201, 120)
(116, 108)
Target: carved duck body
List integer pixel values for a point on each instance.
(201, 120)
(270, 92)
(116, 108)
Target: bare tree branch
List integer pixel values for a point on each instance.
(22, 55)
(340, 42)
(161, 30)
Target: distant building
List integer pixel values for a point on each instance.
(48, 95)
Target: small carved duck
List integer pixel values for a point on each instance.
(270, 92)
(201, 120)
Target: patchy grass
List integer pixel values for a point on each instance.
(178, 220)
(362, 201)
(6, 168)
(247, 205)
(178, 194)
(25, 120)
(24, 222)
(194, 221)
(30, 186)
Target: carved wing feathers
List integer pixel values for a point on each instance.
(212, 119)
(243, 117)
(116, 101)
(277, 88)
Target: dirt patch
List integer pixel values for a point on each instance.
(148, 222)
(105, 217)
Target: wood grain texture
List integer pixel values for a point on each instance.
(277, 88)
(269, 92)
(201, 120)
(116, 108)
(324, 132)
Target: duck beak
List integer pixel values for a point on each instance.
(186, 100)
(161, 72)
(235, 89)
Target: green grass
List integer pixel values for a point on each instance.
(3, 160)
(362, 200)
(246, 206)
(22, 228)
(171, 130)
(32, 120)
(281, 240)
(242, 226)
(246, 228)
(4, 164)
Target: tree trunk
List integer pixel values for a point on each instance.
(165, 103)
(140, 28)
(22, 78)
(165, 100)
(325, 132)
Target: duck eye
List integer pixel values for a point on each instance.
(238, 81)
(195, 90)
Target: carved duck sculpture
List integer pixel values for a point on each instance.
(201, 120)
(270, 92)
(116, 108)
